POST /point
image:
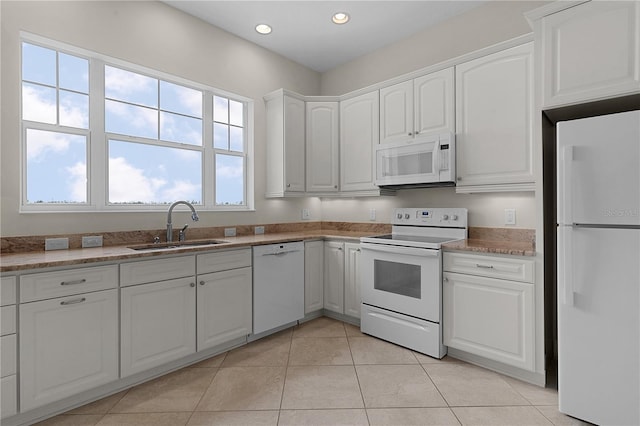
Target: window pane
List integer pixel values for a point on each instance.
(56, 167)
(148, 174)
(39, 103)
(74, 73)
(131, 120)
(220, 109)
(38, 64)
(229, 180)
(220, 136)
(178, 128)
(236, 139)
(180, 99)
(235, 113)
(130, 87)
(74, 109)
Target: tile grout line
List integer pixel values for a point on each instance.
(364, 405)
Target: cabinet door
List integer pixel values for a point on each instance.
(352, 280)
(489, 317)
(322, 146)
(434, 102)
(334, 276)
(591, 51)
(313, 276)
(396, 112)
(158, 323)
(67, 345)
(494, 115)
(294, 144)
(359, 135)
(224, 307)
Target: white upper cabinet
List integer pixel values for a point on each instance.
(285, 144)
(590, 51)
(419, 106)
(359, 134)
(494, 122)
(322, 146)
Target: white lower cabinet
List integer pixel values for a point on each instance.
(67, 345)
(158, 323)
(224, 307)
(488, 316)
(352, 299)
(313, 276)
(8, 348)
(342, 278)
(334, 276)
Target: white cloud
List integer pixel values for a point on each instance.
(39, 142)
(78, 182)
(122, 84)
(129, 184)
(37, 106)
(182, 189)
(137, 117)
(230, 170)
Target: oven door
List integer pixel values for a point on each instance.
(402, 279)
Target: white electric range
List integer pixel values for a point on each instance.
(401, 277)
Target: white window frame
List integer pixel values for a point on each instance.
(97, 139)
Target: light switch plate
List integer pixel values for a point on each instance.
(259, 230)
(306, 214)
(372, 214)
(92, 241)
(229, 232)
(509, 216)
(56, 243)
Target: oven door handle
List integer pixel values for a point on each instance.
(401, 250)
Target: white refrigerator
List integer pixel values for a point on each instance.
(598, 164)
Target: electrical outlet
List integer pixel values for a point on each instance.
(509, 216)
(229, 232)
(259, 230)
(372, 214)
(306, 214)
(92, 241)
(56, 243)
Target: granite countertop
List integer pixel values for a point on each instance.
(44, 259)
(514, 248)
(518, 242)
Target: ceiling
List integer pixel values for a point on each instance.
(304, 33)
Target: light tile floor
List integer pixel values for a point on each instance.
(325, 372)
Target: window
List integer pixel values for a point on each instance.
(139, 140)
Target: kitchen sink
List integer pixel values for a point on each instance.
(173, 245)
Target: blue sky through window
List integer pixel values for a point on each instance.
(158, 169)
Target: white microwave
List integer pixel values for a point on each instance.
(425, 161)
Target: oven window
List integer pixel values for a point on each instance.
(398, 278)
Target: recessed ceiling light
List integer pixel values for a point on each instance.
(340, 18)
(263, 28)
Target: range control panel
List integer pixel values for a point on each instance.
(453, 217)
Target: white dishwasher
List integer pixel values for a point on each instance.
(278, 285)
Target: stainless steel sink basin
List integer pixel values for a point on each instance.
(173, 245)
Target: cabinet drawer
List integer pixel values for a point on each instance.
(8, 291)
(224, 260)
(488, 266)
(9, 396)
(48, 285)
(8, 318)
(148, 271)
(8, 353)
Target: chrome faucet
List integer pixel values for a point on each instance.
(194, 216)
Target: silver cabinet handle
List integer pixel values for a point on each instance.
(445, 279)
(410, 134)
(201, 282)
(192, 284)
(357, 249)
(73, 301)
(478, 265)
(81, 281)
(340, 248)
(288, 185)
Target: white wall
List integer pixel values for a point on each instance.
(154, 35)
(482, 26)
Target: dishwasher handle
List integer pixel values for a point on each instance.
(280, 253)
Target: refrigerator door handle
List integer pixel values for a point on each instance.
(565, 263)
(565, 181)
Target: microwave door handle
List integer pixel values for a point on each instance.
(436, 157)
